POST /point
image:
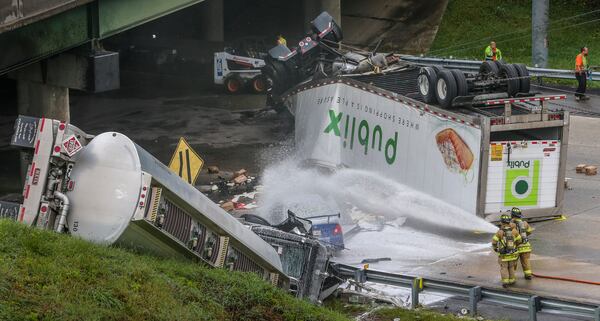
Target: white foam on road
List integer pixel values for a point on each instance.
(380, 207)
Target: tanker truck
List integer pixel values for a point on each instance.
(108, 190)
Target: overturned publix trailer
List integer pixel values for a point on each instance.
(478, 140)
(484, 156)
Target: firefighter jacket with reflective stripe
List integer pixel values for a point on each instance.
(524, 230)
(489, 54)
(505, 243)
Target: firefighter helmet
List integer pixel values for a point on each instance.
(516, 212)
(505, 218)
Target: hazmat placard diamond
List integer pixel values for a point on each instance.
(186, 162)
(71, 145)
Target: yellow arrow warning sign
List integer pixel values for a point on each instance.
(186, 162)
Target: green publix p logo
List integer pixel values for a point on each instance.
(521, 183)
(362, 134)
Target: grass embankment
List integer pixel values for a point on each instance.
(49, 276)
(46, 276)
(468, 26)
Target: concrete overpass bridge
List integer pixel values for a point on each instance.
(51, 46)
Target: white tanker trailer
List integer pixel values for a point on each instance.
(108, 190)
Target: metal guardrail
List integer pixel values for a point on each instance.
(473, 66)
(532, 303)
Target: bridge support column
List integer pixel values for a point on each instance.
(212, 20)
(43, 100)
(40, 100)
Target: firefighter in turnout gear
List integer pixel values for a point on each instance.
(524, 249)
(505, 242)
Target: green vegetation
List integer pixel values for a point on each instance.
(47, 276)
(468, 26)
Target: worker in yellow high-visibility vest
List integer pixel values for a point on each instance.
(281, 40)
(492, 52)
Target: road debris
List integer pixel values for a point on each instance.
(580, 168)
(228, 206)
(240, 179)
(591, 170)
(240, 173)
(360, 293)
(567, 185)
(245, 200)
(213, 170)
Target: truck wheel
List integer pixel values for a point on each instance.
(278, 75)
(445, 89)
(233, 85)
(488, 67)
(509, 73)
(427, 81)
(258, 84)
(524, 80)
(462, 87)
(499, 63)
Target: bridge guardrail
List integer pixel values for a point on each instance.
(532, 303)
(473, 66)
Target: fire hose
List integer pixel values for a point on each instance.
(566, 279)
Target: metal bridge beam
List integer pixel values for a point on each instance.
(72, 28)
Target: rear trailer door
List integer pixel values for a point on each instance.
(522, 174)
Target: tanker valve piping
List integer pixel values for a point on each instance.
(63, 212)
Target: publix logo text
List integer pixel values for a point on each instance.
(363, 133)
(519, 164)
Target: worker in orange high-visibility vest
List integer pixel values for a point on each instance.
(581, 70)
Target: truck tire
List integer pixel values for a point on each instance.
(276, 72)
(258, 84)
(509, 73)
(426, 81)
(499, 63)
(445, 89)
(462, 87)
(489, 67)
(233, 84)
(524, 80)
